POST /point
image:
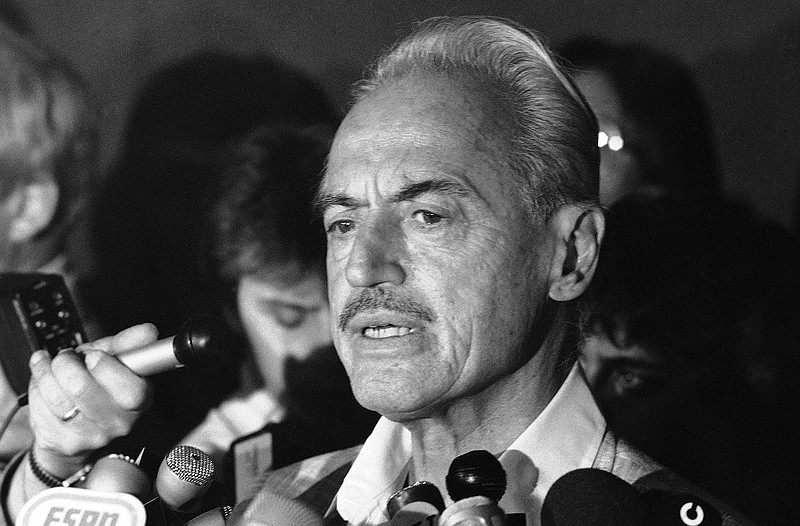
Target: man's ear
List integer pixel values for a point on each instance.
(579, 231)
(36, 204)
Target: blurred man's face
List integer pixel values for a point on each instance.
(660, 406)
(620, 168)
(436, 272)
(289, 322)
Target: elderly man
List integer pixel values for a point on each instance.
(460, 206)
(459, 202)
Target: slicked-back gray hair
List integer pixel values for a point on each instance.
(554, 133)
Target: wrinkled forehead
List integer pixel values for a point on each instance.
(431, 117)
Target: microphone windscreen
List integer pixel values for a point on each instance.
(675, 508)
(202, 340)
(592, 497)
(183, 477)
(673, 500)
(476, 473)
(119, 474)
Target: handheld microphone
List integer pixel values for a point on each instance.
(672, 500)
(476, 481)
(419, 503)
(213, 517)
(271, 509)
(476, 473)
(593, 497)
(119, 474)
(675, 508)
(201, 340)
(184, 477)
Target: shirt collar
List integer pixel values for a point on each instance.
(564, 437)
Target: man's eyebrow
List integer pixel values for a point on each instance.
(406, 193)
(436, 186)
(324, 201)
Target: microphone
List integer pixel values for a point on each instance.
(476, 473)
(213, 517)
(675, 508)
(672, 501)
(593, 497)
(119, 474)
(476, 481)
(184, 477)
(419, 503)
(201, 340)
(271, 509)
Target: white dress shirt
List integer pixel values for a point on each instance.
(564, 437)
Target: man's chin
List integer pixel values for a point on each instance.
(396, 404)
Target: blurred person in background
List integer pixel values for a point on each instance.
(149, 215)
(691, 328)
(266, 257)
(47, 154)
(653, 118)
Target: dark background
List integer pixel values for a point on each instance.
(745, 53)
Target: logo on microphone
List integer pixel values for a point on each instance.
(699, 515)
(77, 507)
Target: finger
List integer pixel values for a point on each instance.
(128, 390)
(130, 338)
(98, 404)
(44, 390)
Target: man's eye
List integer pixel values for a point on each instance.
(427, 217)
(341, 227)
(625, 381)
(628, 382)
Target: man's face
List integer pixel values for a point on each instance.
(653, 403)
(435, 270)
(288, 322)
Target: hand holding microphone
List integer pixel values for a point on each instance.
(81, 400)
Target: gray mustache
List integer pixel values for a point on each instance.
(374, 299)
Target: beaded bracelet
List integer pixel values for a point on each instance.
(44, 476)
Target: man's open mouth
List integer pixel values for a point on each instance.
(385, 331)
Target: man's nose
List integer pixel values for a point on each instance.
(376, 254)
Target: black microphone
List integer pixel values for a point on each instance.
(201, 340)
(673, 501)
(675, 508)
(593, 497)
(476, 473)
(476, 481)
